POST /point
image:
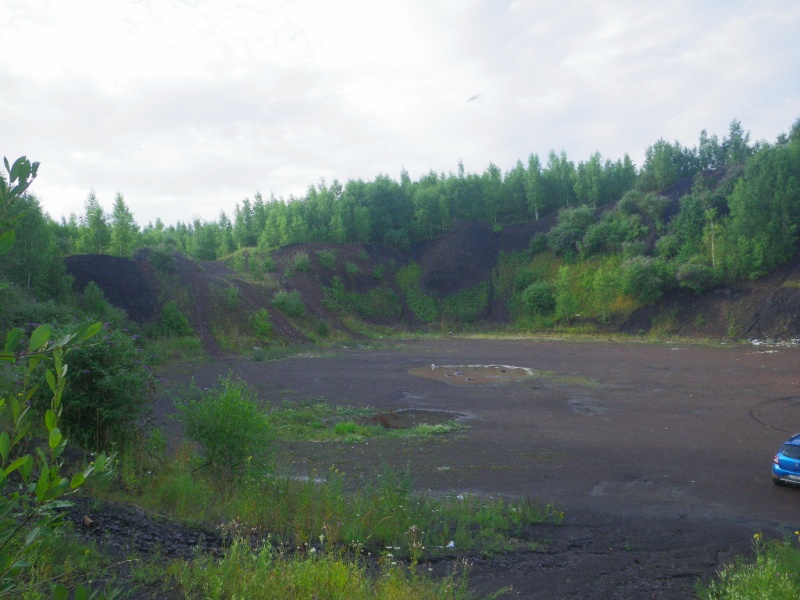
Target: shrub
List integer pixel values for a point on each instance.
(645, 278)
(172, 322)
(301, 262)
(466, 306)
(261, 324)
(327, 258)
(423, 306)
(228, 425)
(351, 269)
(109, 392)
(289, 303)
(94, 304)
(539, 298)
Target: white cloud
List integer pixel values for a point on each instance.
(186, 107)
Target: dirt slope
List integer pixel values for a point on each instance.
(460, 259)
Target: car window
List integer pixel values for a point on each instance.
(791, 451)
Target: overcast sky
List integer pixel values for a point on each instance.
(188, 106)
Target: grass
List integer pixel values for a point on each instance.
(775, 574)
(265, 573)
(322, 422)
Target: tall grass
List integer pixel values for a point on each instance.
(263, 573)
(775, 574)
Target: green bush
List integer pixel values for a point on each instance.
(327, 258)
(228, 425)
(466, 306)
(289, 303)
(423, 306)
(645, 278)
(172, 322)
(110, 390)
(351, 269)
(261, 324)
(539, 298)
(94, 304)
(301, 262)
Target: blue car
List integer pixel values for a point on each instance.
(786, 464)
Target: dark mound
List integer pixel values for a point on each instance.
(126, 284)
(460, 259)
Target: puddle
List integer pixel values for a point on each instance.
(408, 418)
(466, 375)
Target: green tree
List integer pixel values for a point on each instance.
(534, 187)
(95, 231)
(124, 230)
(34, 262)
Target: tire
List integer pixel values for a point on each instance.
(777, 481)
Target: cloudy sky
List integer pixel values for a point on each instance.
(188, 106)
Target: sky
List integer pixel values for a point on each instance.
(186, 107)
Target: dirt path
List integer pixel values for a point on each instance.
(660, 454)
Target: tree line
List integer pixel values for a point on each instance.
(722, 209)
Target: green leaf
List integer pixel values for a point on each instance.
(12, 339)
(55, 438)
(51, 380)
(5, 445)
(7, 241)
(17, 464)
(77, 481)
(87, 330)
(32, 535)
(60, 592)
(50, 420)
(39, 337)
(42, 486)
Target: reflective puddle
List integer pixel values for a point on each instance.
(466, 375)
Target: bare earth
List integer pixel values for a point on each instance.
(659, 454)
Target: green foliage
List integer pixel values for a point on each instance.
(161, 258)
(351, 269)
(467, 305)
(34, 262)
(645, 278)
(423, 306)
(327, 258)
(110, 390)
(539, 298)
(301, 262)
(245, 572)
(233, 296)
(380, 301)
(32, 489)
(228, 425)
(93, 303)
(775, 574)
(289, 303)
(172, 322)
(261, 324)
(565, 238)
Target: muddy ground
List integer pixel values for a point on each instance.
(659, 454)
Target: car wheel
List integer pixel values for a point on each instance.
(777, 481)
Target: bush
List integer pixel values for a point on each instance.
(327, 258)
(172, 322)
(645, 278)
(539, 298)
(351, 269)
(261, 324)
(228, 425)
(94, 304)
(466, 306)
(289, 303)
(301, 262)
(109, 392)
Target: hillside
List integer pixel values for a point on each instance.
(459, 260)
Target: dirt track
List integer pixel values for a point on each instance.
(660, 454)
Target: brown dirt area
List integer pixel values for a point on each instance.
(659, 454)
